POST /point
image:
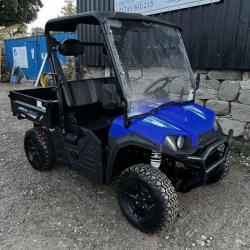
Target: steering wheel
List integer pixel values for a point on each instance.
(160, 90)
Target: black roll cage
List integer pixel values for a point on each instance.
(69, 24)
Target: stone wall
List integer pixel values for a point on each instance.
(228, 94)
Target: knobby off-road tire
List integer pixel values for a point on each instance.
(39, 149)
(147, 198)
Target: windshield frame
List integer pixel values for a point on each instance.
(122, 74)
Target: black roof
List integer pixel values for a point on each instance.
(69, 23)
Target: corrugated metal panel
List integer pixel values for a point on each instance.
(216, 36)
(87, 33)
(36, 51)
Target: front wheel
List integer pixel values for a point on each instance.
(147, 198)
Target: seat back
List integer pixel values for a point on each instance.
(80, 93)
(84, 92)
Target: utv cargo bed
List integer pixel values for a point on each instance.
(37, 105)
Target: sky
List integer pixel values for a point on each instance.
(51, 9)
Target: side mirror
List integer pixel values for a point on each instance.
(110, 97)
(71, 47)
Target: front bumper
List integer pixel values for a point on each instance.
(202, 161)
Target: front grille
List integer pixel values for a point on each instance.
(213, 158)
(206, 137)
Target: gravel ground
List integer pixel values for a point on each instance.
(62, 210)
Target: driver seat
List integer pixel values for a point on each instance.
(80, 93)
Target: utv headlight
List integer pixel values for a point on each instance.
(174, 142)
(180, 142)
(170, 142)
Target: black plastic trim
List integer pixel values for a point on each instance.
(201, 160)
(130, 140)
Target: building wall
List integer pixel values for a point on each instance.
(217, 36)
(93, 56)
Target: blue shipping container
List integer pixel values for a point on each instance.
(29, 53)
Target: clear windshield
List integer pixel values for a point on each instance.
(153, 62)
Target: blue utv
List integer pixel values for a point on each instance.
(139, 122)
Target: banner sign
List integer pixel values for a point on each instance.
(150, 7)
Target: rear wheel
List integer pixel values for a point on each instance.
(39, 149)
(147, 198)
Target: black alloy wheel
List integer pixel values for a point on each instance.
(39, 149)
(147, 198)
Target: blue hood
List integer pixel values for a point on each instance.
(190, 120)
